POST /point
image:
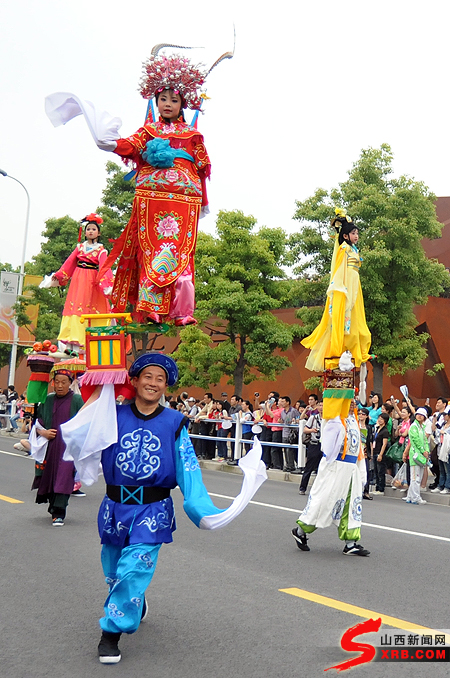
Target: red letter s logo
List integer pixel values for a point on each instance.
(368, 651)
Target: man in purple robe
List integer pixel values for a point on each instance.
(54, 477)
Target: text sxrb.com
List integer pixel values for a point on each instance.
(392, 646)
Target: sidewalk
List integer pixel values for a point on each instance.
(12, 434)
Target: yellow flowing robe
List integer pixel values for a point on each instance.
(343, 326)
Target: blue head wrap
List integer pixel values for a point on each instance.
(164, 361)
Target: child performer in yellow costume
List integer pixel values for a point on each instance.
(343, 326)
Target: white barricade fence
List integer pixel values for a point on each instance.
(239, 441)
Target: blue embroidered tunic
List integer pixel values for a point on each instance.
(152, 451)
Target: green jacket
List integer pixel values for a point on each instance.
(419, 442)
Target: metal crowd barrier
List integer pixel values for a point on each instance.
(12, 407)
(238, 440)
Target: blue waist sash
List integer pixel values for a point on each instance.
(159, 153)
(136, 494)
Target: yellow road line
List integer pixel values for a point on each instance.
(359, 611)
(10, 499)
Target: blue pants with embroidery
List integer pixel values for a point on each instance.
(128, 572)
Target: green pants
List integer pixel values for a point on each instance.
(343, 530)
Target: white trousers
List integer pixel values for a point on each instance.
(414, 486)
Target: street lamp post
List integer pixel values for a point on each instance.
(12, 362)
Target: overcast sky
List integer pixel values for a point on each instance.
(311, 84)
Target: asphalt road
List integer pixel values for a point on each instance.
(216, 609)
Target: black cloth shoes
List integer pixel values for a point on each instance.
(108, 648)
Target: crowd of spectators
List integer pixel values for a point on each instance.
(394, 435)
(13, 409)
(15, 415)
(275, 420)
(403, 445)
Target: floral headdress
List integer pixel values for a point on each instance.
(177, 73)
(92, 219)
(340, 219)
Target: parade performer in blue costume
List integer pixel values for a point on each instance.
(145, 453)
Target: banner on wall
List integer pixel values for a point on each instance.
(9, 285)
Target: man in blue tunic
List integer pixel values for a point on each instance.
(151, 456)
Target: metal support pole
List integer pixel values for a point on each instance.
(13, 358)
(238, 444)
(301, 454)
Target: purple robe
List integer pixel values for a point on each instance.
(58, 475)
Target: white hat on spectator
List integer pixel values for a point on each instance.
(191, 400)
(422, 411)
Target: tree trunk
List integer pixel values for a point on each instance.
(377, 376)
(238, 373)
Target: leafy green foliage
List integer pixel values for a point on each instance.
(239, 279)
(437, 367)
(117, 200)
(60, 239)
(393, 216)
(314, 384)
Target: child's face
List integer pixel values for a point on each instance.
(352, 237)
(91, 231)
(169, 105)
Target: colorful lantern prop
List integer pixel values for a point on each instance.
(106, 349)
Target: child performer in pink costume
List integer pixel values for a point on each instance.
(87, 293)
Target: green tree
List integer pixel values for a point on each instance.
(239, 280)
(60, 238)
(393, 215)
(117, 200)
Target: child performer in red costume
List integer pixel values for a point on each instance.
(86, 293)
(155, 270)
(155, 252)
